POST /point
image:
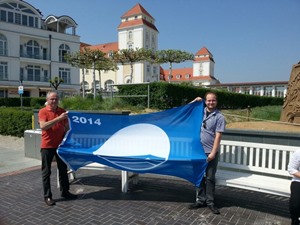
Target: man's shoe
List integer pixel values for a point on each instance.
(68, 195)
(197, 205)
(49, 201)
(214, 209)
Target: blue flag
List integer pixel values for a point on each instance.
(166, 142)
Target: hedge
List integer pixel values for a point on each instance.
(167, 95)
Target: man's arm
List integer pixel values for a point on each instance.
(46, 125)
(216, 146)
(196, 99)
(295, 164)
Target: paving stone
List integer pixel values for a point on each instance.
(155, 200)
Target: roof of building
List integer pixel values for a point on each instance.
(204, 55)
(137, 22)
(106, 48)
(136, 10)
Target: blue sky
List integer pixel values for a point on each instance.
(251, 40)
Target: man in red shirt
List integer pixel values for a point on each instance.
(54, 123)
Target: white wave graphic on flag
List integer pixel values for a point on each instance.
(145, 146)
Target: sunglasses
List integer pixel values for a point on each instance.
(204, 124)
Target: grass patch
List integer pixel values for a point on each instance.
(253, 114)
(100, 104)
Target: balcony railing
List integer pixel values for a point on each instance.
(34, 56)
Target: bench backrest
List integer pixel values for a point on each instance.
(255, 157)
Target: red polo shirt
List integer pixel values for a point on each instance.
(52, 137)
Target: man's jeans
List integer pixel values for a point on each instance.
(47, 155)
(205, 193)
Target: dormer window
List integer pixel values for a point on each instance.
(187, 76)
(178, 76)
(18, 13)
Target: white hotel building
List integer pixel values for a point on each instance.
(32, 50)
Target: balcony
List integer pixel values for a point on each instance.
(35, 56)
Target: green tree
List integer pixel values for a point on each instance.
(55, 82)
(131, 56)
(79, 59)
(172, 56)
(91, 58)
(105, 65)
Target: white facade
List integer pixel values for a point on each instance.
(270, 89)
(203, 69)
(136, 30)
(32, 50)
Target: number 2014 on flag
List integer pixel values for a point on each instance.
(84, 120)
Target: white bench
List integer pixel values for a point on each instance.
(126, 177)
(247, 165)
(255, 166)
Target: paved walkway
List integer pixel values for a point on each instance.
(156, 200)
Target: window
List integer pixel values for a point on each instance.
(153, 40)
(154, 70)
(148, 68)
(268, 91)
(3, 94)
(33, 73)
(110, 54)
(24, 20)
(46, 77)
(3, 45)
(107, 85)
(10, 17)
(187, 76)
(3, 16)
(130, 35)
(63, 50)
(18, 14)
(33, 49)
(3, 71)
(236, 89)
(256, 91)
(31, 21)
(178, 76)
(279, 91)
(17, 18)
(246, 90)
(64, 74)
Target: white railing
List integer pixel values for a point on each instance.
(255, 166)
